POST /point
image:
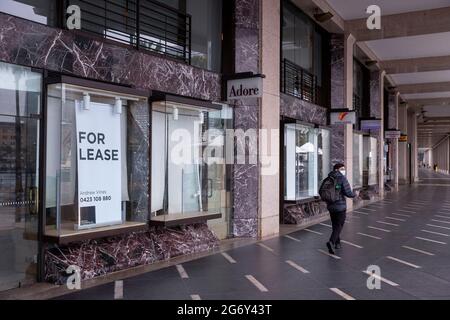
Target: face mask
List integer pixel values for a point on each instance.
(343, 172)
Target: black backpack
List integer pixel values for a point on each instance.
(329, 191)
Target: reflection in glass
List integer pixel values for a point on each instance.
(307, 160)
(42, 11)
(188, 160)
(20, 93)
(357, 160)
(370, 161)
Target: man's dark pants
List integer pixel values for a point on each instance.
(337, 221)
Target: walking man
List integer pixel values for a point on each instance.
(334, 189)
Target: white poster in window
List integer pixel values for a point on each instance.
(99, 165)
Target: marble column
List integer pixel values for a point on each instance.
(377, 111)
(269, 216)
(412, 140)
(402, 146)
(342, 98)
(246, 117)
(393, 125)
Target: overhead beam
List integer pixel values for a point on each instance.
(416, 65)
(402, 25)
(424, 87)
(424, 102)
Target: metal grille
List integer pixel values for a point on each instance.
(298, 82)
(145, 24)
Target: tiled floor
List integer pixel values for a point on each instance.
(414, 264)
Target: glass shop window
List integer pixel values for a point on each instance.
(97, 160)
(370, 161)
(206, 31)
(42, 11)
(357, 160)
(307, 160)
(188, 168)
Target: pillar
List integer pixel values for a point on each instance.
(342, 46)
(246, 117)
(393, 125)
(377, 111)
(402, 146)
(269, 220)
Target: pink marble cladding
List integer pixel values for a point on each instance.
(102, 256)
(88, 56)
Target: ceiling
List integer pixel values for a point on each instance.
(356, 9)
(426, 92)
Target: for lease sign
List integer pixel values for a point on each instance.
(99, 165)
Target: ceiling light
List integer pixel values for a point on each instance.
(323, 17)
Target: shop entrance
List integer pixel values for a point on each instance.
(20, 93)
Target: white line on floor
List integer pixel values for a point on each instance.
(447, 213)
(429, 240)
(228, 257)
(418, 250)
(436, 215)
(368, 235)
(256, 283)
(396, 219)
(440, 221)
(389, 282)
(447, 209)
(436, 226)
(437, 233)
(370, 227)
(118, 290)
(296, 266)
(292, 238)
(364, 208)
(360, 212)
(404, 262)
(195, 297)
(407, 211)
(182, 272)
(325, 225)
(401, 215)
(312, 231)
(388, 223)
(266, 247)
(342, 294)
(351, 244)
(329, 254)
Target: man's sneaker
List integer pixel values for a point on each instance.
(330, 247)
(338, 246)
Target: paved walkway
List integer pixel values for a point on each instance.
(407, 236)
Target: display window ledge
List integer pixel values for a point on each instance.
(172, 220)
(67, 235)
(304, 200)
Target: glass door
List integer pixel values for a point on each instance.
(20, 93)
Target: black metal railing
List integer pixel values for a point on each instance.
(298, 82)
(145, 24)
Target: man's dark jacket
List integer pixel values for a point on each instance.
(345, 191)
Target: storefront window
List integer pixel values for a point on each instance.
(43, 11)
(370, 160)
(206, 31)
(357, 160)
(20, 94)
(188, 161)
(96, 167)
(307, 160)
(323, 154)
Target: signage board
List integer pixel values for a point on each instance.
(99, 165)
(346, 116)
(245, 88)
(403, 138)
(392, 134)
(371, 124)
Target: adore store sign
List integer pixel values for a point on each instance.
(244, 88)
(99, 165)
